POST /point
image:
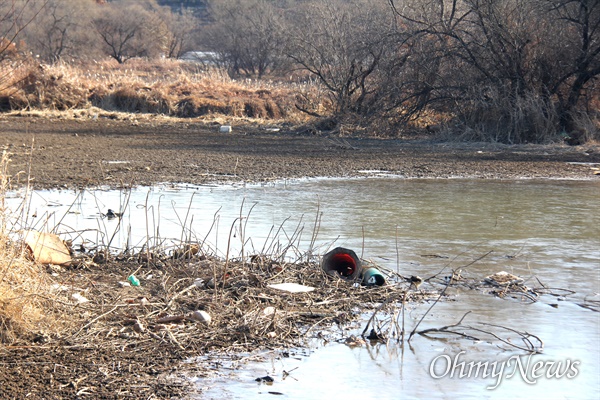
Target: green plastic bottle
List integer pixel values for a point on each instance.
(133, 280)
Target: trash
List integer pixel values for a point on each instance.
(133, 280)
(47, 248)
(199, 282)
(79, 298)
(354, 341)
(110, 214)
(342, 263)
(124, 284)
(269, 310)
(372, 277)
(201, 316)
(265, 379)
(225, 129)
(291, 287)
(503, 278)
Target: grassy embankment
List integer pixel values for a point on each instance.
(165, 87)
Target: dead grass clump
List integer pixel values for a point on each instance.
(262, 108)
(25, 289)
(245, 312)
(22, 305)
(44, 87)
(140, 99)
(194, 106)
(161, 87)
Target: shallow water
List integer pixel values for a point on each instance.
(543, 231)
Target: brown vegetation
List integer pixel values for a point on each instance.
(26, 304)
(167, 87)
(497, 70)
(82, 329)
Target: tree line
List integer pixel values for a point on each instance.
(513, 71)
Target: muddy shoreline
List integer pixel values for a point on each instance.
(77, 153)
(109, 359)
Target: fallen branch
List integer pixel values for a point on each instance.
(526, 337)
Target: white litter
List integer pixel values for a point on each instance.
(269, 311)
(201, 316)
(79, 298)
(292, 287)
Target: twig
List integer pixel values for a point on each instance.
(442, 293)
(94, 320)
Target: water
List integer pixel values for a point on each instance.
(544, 231)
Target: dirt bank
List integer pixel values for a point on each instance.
(104, 356)
(103, 151)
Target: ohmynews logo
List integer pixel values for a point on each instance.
(453, 367)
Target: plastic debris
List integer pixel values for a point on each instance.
(269, 310)
(343, 263)
(79, 298)
(291, 287)
(503, 278)
(133, 280)
(201, 316)
(372, 277)
(47, 248)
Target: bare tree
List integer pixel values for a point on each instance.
(62, 29)
(126, 31)
(247, 36)
(15, 16)
(182, 32)
(503, 64)
(576, 45)
(342, 43)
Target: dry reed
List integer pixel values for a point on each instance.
(166, 87)
(27, 298)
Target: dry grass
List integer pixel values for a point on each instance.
(168, 87)
(246, 313)
(26, 298)
(43, 303)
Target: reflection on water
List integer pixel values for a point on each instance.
(547, 232)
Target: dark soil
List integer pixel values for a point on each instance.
(85, 153)
(75, 153)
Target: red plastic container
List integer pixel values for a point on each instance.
(342, 263)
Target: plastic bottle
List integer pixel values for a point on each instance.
(133, 280)
(372, 277)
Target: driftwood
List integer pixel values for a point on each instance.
(531, 343)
